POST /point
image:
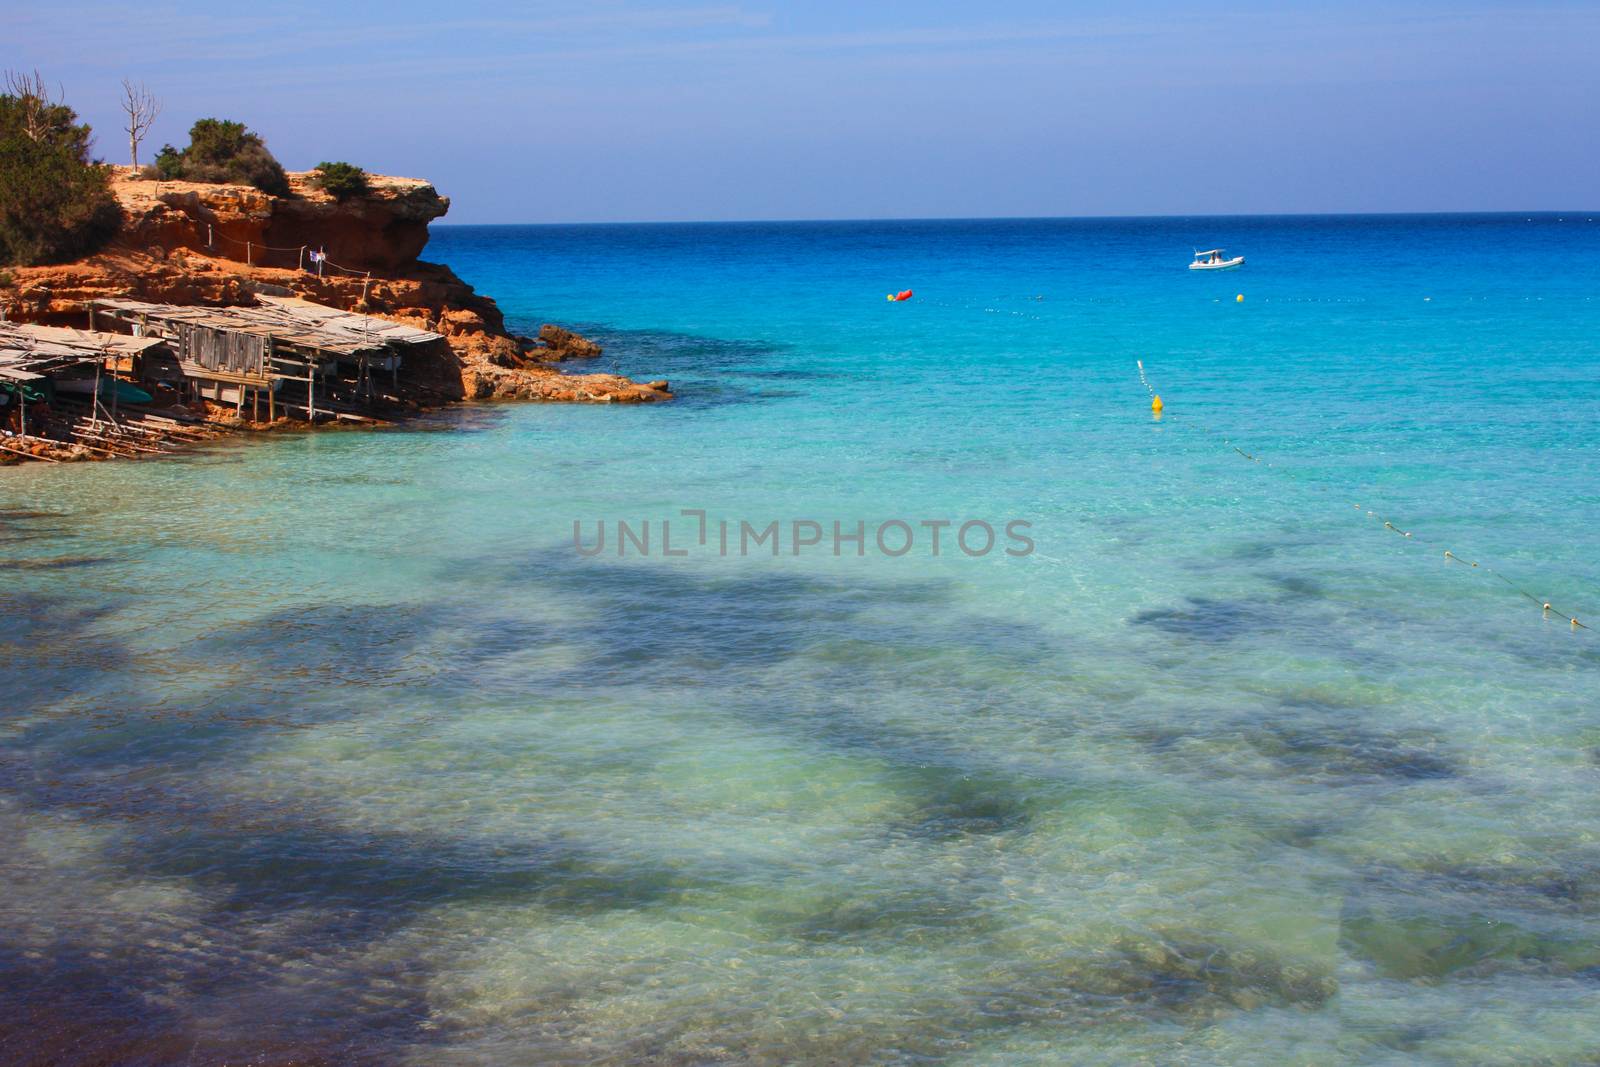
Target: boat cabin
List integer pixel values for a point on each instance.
(1215, 259)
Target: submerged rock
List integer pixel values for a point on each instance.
(1348, 753)
(1198, 975)
(1209, 620)
(1422, 947)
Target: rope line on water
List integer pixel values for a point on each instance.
(1147, 386)
(1451, 557)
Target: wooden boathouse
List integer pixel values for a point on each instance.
(62, 387)
(283, 354)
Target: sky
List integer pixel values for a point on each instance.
(635, 111)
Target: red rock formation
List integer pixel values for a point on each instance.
(564, 344)
(194, 243)
(383, 231)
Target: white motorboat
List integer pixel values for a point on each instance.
(1215, 259)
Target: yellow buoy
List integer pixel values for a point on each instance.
(1155, 403)
(890, 298)
(1239, 299)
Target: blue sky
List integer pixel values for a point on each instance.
(607, 111)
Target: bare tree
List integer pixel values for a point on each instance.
(39, 106)
(141, 107)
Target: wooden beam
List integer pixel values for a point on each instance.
(30, 455)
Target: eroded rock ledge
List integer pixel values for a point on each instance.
(194, 243)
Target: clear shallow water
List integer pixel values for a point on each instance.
(332, 746)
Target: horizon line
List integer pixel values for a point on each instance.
(1527, 213)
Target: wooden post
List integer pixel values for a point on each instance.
(311, 393)
(248, 259)
(91, 316)
(210, 240)
(270, 403)
(302, 257)
(364, 286)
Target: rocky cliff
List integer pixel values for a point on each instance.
(194, 243)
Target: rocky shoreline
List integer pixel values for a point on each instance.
(202, 245)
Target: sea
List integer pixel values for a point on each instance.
(905, 691)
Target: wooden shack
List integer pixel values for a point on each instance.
(282, 354)
(46, 359)
(65, 386)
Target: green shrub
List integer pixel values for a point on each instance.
(217, 141)
(55, 203)
(341, 180)
(225, 153)
(169, 164)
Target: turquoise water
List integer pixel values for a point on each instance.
(333, 748)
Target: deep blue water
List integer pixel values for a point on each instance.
(335, 746)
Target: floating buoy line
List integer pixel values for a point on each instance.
(1546, 607)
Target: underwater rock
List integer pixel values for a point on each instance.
(952, 805)
(1206, 620)
(1323, 750)
(1423, 947)
(1199, 975)
(910, 917)
(1349, 753)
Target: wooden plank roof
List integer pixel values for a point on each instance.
(349, 322)
(296, 322)
(28, 351)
